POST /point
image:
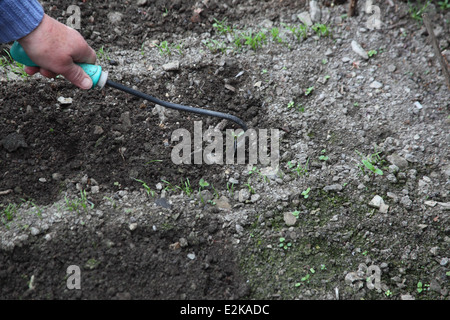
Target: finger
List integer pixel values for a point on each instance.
(78, 77)
(31, 70)
(47, 73)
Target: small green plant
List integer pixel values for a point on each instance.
(165, 48)
(254, 41)
(370, 162)
(275, 32)
(299, 169)
(323, 157)
(444, 5)
(149, 191)
(321, 29)
(102, 54)
(79, 203)
(299, 107)
(309, 91)
(388, 293)
(421, 286)
(296, 213)
(417, 11)
(283, 244)
(8, 213)
(305, 193)
(372, 53)
(230, 188)
(9, 63)
(186, 187)
(250, 188)
(215, 46)
(300, 32)
(221, 26)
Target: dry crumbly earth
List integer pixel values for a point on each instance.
(320, 226)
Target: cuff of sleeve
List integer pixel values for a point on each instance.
(19, 18)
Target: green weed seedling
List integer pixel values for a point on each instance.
(275, 32)
(300, 32)
(186, 187)
(298, 169)
(254, 41)
(299, 107)
(444, 5)
(8, 213)
(166, 49)
(372, 53)
(305, 193)
(321, 29)
(323, 157)
(215, 46)
(9, 63)
(250, 188)
(222, 27)
(370, 162)
(102, 54)
(149, 191)
(309, 91)
(417, 11)
(79, 203)
(283, 244)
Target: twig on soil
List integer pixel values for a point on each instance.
(3, 193)
(435, 45)
(352, 8)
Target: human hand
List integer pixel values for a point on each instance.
(56, 48)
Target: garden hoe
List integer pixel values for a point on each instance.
(100, 79)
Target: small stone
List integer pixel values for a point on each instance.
(255, 197)
(315, 12)
(98, 130)
(34, 231)
(223, 203)
(376, 85)
(56, 176)
(356, 47)
(244, 195)
(125, 119)
(43, 180)
(376, 202)
(95, 189)
(289, 219)
(183, 242)
(133, 226)
(141, 3)
(14, 141)
(397, 160)
(115, 17)
(171, 66)
(406, 201)
(407, 297)
(191, 256)
(305, 18)
(65, 101)
(418, 105)
(333, 187)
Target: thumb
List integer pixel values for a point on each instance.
(78, 77)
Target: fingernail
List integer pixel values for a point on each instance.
(86, 83)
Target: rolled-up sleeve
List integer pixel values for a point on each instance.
(18, 18)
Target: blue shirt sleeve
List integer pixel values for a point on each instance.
(19, 18)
